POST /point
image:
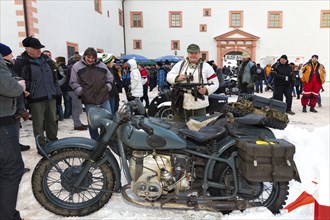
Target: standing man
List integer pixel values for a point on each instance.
(281, 72)
(161, 77)
(75, 100)
(246, 74)
(41, 80)
(313, 76)
(11, 163)
(92, 81)
(260, 77)
(194, 70)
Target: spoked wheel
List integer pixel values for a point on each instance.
(166, 112)
(56, 192)
(267, 194)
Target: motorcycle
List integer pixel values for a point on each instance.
(166, 164)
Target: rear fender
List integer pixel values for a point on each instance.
(87, 144)
(167, 103)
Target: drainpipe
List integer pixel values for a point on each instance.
(27, 32)
(124, 32)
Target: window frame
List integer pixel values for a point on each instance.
(231, 13)
(132, 13)
(280, 21)
(173, 42)
(99, 4)
(201, 26)
(171, 13)
(121, 18)
(207, 10)
(72, 45)
(321, 18)
(206, 55)
(135, 42)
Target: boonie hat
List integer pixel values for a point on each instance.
(32, 42)
(193, 48)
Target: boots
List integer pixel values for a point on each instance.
(298, 96)
(312, 109)
(304, 108)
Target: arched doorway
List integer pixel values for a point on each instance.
(235, 43)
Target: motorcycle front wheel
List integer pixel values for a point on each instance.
(55, 190)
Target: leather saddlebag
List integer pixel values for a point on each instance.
(266, 161)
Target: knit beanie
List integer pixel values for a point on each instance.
(107, 58)
(284, 57)
(4, 50)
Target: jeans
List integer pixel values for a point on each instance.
(76, 108)
(259, 86)
(94, 131)
(67, 105)
(11, 171)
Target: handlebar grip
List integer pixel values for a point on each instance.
(146, 128)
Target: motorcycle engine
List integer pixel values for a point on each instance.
(156, 174)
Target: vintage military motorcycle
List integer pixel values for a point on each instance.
(166, 164)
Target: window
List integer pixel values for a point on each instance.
(205, 55)
(71, 48)
(137, 44)
(236, 19)
(325, 19)
(175, 19)
(121, 20)
(274, 19)
(98, 6)
(99, 50)
(202, 27)
(136, 19)
(207, 12)
(175, 45)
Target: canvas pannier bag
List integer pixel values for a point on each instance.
(266, 161)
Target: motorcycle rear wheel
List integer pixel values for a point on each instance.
(57, 195)
(267, 194)
(166, 112)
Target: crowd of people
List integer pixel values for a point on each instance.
(34, 85)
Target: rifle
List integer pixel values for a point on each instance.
(193, 87)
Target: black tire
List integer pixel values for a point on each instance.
(55, 193)
(166, 112)
(273, 123)
(277, 192)
(236, 112)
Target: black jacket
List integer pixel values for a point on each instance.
(281, 74)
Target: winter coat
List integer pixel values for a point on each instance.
(161, 78)
(39, 75)
(281, 74)
(136, 79)
(9, 90)
(260, 74)
(92, 82)
(207, 76)
(296, 78)
(307, 72)
(246, 74)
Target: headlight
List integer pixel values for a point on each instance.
(96, 116)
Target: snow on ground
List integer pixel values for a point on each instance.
(308, 131)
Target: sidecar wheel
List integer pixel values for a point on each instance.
(266, 194)
(166, 112)
(55, 191)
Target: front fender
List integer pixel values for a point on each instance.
(87, 144)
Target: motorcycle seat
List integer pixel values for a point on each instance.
(205, 134)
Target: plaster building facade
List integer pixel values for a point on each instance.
(223, 29)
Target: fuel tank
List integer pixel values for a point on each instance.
(162, 133)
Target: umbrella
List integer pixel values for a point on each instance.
(170, 58)
(138, 58)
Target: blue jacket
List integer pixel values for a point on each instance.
(40, 77)
(161, 78)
